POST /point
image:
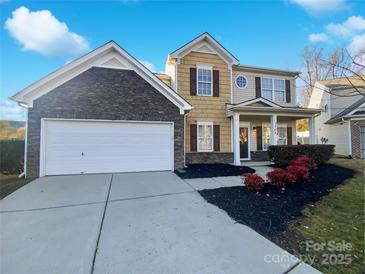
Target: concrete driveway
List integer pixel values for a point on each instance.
(128, 223)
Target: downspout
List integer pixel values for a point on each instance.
(350, 138)
(24, 173)
(185, 139)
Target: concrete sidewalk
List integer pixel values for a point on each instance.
(127, 223)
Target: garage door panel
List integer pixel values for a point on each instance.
(73, 147)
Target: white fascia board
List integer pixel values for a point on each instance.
(53, 75)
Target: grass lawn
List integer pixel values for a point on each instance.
(10, 183)
(338, 217)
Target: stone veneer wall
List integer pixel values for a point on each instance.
(355, 137)
(209, 157)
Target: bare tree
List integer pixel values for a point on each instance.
(337, 64)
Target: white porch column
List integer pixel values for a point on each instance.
(274, 130)
(312, 130)
(236, 139)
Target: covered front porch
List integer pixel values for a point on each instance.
(257, 126)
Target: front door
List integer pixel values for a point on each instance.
(243, 142)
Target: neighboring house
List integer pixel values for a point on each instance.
(342, 121)
(106, 112)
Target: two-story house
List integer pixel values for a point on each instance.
(236, 109)
(106, 112)
(342, 121)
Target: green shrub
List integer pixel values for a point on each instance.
(11, 156)
(283, 154)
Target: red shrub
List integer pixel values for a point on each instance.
(305, 161)
(279, 177)
(298, 173)
(253, 181)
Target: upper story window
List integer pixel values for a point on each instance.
(279, 90)
(267, 88)
(204, 81)
(241, 81)
(273, 89)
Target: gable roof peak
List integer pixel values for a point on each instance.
(208, 38)
(98, 57)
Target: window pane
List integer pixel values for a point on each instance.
(267, 93)
(266, 137)
(282, 136)
(205, 144)
(204, 82)
(204, 88)
(205, 131)
(279, 84)
(208, 76)
(279, 95)
(281, 141)
(266, 83)
(200, 75)
(282, 132)
(241, 81)
(208, 132)
(200, 131)
(205, 138)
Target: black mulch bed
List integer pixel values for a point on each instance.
(268, 212)
(212, 170)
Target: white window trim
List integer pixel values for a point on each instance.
(273, 88)
(265, 125)
(286, 134)
(235, 81)
(205, 123)
(206, 67)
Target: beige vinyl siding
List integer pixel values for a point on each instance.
(249, 92)
(164, 78)
(206, 108)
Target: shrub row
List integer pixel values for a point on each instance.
(297, 171)
(283, 154)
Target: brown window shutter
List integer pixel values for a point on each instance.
(259, 138)
(287, 91)
(258, 86)
(193, 81)
(216, 137)
(216, 83)
(289, 135)
(193, 138)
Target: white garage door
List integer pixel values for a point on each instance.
(74, 147)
